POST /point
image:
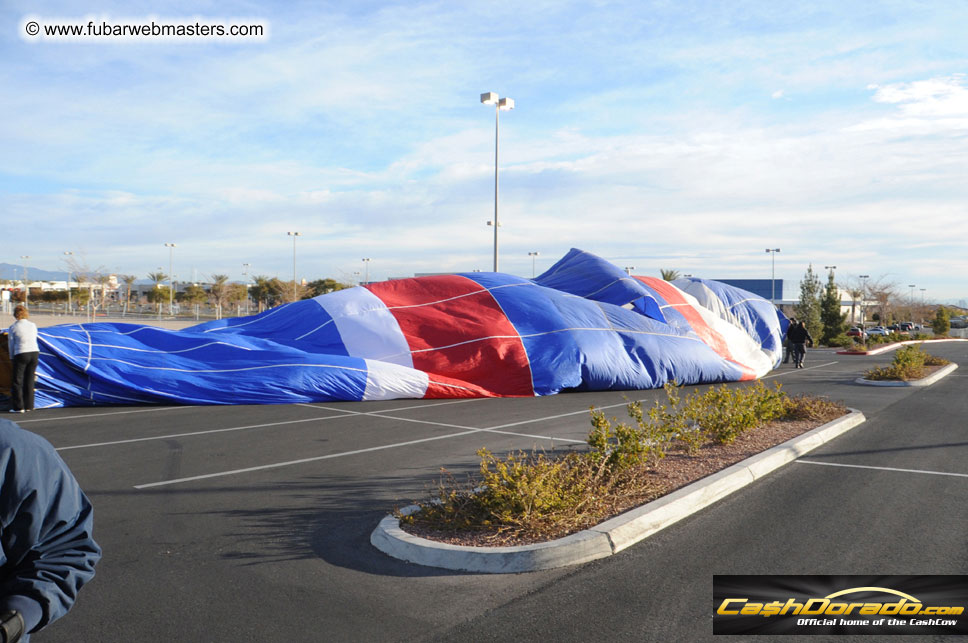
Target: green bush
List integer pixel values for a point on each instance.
(841, 341)
(908, 364)
(532, 496)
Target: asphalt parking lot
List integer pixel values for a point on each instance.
(252, 523)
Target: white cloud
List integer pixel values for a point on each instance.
(923, 107)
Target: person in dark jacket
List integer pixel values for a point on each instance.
(786, 341)
(47, 550)
(799, 336)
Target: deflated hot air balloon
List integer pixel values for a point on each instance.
(582, 325)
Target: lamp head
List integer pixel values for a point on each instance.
(489, 98)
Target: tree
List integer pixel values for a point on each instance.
(193, 294)
(153, 296)
(669, 275)
(158, 295)
(323, 286)
(84, 274)
(219, 293)
(267, 291)
(808, 308)
(942, 322)
(830, 316)
(128, 281)
(237, 294)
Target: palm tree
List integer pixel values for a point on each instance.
(155, 296)
(669, 275)
(128, 282)
(219, 292)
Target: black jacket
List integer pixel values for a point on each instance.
(798, 334)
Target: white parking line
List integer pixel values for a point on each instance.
(58, 418)
(302, 461)
(807, 368)
(402, 408)
(380, 414)
(206, 432)
(467, 431)
(861, 466)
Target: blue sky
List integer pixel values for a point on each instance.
(679, 135)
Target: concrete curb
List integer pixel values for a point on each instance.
(896, 345)
(924, 381)
(611, 536)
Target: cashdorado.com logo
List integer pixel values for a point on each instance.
(840, 605)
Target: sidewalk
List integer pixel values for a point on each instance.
(44, 320)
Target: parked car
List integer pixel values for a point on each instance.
(959, 322)
(908, 326)
(878, 330)
(856, 332)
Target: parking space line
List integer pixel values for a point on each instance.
(347, 413)
(402, 408)
(58, 418)
(861, 466)
(380, 414)
(808, 368)
(207, 432)
(293, 462)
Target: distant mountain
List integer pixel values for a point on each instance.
(15, 271)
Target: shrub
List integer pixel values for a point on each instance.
(908, 364)
(803, 407)
(840, 341)
(535, 496)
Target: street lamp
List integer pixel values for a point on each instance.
(911, 286)
(366, 265)
(171, 283)
(773, 252)
(245, 274)
(863, 298)
(70, 306)
(629, 269)
(506, 104)
(294, 235)
(921, 312)
(26, 282)
(533, 255)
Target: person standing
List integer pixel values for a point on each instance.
(47, 547)
(799, 336)
(24, 354)
(786, 341)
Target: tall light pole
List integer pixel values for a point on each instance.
(245, 274)
(294, 235)
(863, 299)
(26, 282)
(773, 252)
(629, 269)
(366, 265)
(70, 306)
(506, 104)
(533, 255)
(171, 278)
(921, 312)
(911, 286)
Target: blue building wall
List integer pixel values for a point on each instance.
(761, 287)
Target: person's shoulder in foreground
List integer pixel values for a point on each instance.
(47, 549)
